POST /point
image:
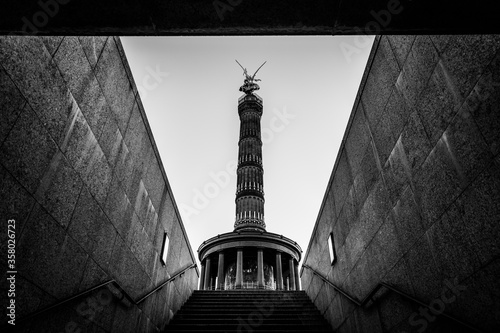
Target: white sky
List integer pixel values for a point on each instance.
(193, 114)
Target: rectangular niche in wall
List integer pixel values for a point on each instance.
(164, 250)
(331, 248)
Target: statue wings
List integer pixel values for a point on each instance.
(245, 71)
(258, 69)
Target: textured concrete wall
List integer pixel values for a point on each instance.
(414, 196)
(81, 175)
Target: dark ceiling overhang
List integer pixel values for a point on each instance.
(247, 17)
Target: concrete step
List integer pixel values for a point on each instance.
(245, 327)
(194, 309)
(306, 319)
(234, 314)
(248, 311)
(251, 298)
(249, 292)
(253, 304)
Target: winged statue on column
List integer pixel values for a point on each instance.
(249, 84)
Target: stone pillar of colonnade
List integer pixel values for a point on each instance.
(292, 273)
(220, 271)
(297, 277)
(239, 268)
(260, 268)
(279, 272)
(207, 285)
(202, 277)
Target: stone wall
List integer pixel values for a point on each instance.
(414, 196)
(82, 177)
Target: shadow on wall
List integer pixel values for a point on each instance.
(414, 200)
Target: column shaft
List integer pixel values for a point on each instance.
(297, 277)
(220, 273)
(202, 277)
(291, 268)
(279, 273)
(207, 274)
(239, 268)
(260, 268)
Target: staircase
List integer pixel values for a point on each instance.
(248, 311)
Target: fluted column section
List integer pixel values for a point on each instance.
(260, 268)
(279, 272)
(202, 277)
(291, 268)
(250, 188)
(207, 274)
(297, 277)
(220, 271)
(239, 268)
